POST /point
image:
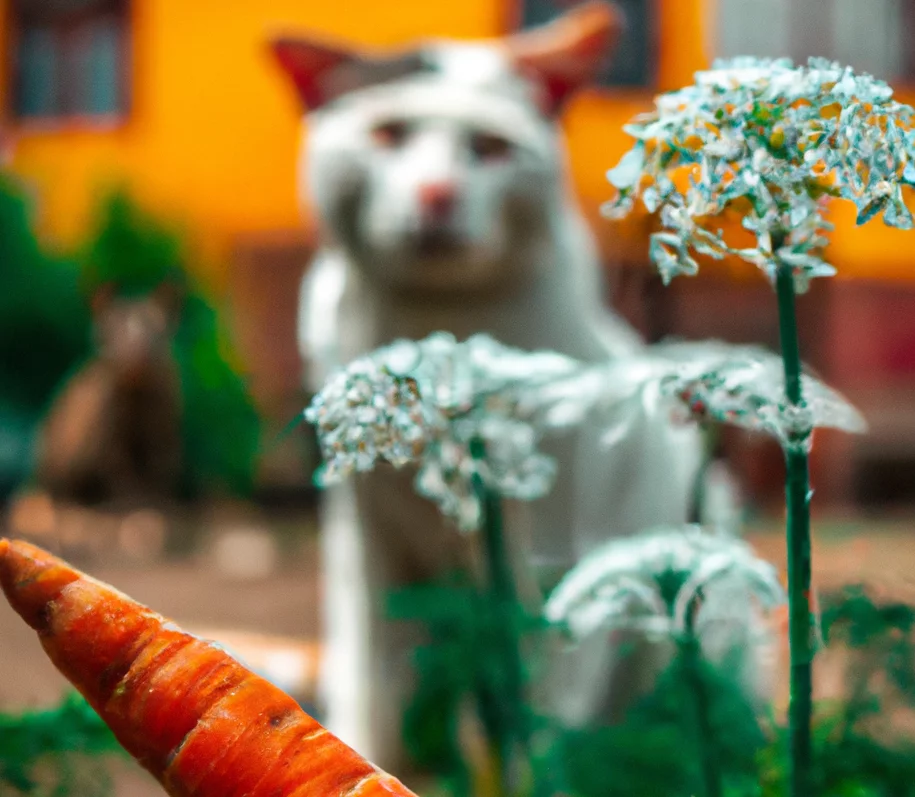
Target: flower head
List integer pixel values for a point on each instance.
(772, 140)
(745, 386)
(365, 413)
(424, 402)
(663, 582)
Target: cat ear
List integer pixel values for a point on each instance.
(569, 52)
(309, 64)
(322, 71)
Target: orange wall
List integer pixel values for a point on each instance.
(211, 139)
(212, 135)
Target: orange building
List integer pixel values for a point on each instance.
(178, 101)
(201, 125)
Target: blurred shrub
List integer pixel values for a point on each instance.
(55, 752)
(44, 332)
(136, 252)
(695, 734)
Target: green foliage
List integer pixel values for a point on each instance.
(461, 664)
(55, 752)
(222, 428)
(856, 744)
(136, 253)
(45, 331)
(46, 334)
(695, 734)
(446, 675)
(45, 322)
(661, 746)
(131, 250)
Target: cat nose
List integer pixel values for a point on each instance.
(437, 200)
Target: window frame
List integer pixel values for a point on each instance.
(907, 28)
(66, 24)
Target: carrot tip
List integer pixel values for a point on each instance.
(31, 578)
(6, 550)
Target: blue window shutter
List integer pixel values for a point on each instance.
(97, 65)
(70, 57)
(38, 58)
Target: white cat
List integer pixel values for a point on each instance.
(438, 177)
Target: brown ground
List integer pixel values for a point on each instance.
(190, 590)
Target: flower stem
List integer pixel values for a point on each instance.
(514, 731)
(691, 653)
(797, 489)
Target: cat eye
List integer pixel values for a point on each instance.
(489, 147)
(391, 135)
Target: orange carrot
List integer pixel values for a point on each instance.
(201, 723)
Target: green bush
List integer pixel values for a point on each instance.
(136, 253)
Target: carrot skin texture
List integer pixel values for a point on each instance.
(201, 723)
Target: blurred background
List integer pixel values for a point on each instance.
(151, 143)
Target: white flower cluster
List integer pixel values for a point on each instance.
(745, 386)
(426, 402)
(662, 582)
(364, 414)
(772, 141)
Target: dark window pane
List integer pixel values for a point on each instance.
(95, 63)
(907, 32)
(37, 67)
(70, 58)
(633, 61)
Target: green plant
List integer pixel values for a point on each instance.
(471, 415)
(687, 588)
(136, 252)
(770, 142)
(44, 334)
(55, 752)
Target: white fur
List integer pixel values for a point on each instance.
(527, 273)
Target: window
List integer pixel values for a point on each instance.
(70, 58)
(633, 60)
(871, 36)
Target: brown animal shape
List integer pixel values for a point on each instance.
(113, 434)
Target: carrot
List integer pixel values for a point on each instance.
(201, 723)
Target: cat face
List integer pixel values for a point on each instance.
(439, 168)
(430, 180)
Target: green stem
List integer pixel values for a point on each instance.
(692, 658)
(514, 729)
(797, 488)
